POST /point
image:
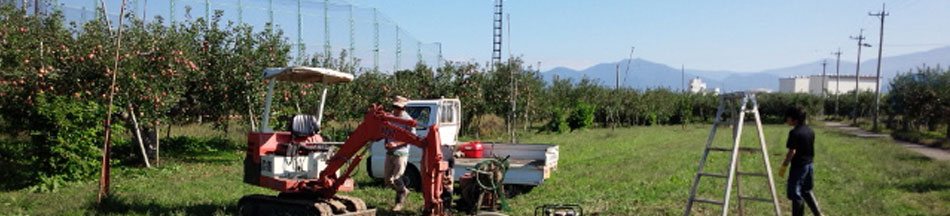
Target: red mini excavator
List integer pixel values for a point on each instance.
(305, 168)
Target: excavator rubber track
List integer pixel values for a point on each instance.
(339, 205)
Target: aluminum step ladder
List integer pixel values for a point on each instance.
(740, 99)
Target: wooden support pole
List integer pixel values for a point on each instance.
(138, 137)
(158, 157)
(106, 169)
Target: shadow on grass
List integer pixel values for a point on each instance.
(925, 186)
(15, 179)
(373, 182)
(840, 132)
(381, 211)
(118, 205)
(915, 158)
(209, 160)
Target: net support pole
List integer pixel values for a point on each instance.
(326, 29)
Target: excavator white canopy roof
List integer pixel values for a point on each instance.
(307, 74)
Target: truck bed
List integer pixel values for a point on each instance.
(529, 164)
(545, 153)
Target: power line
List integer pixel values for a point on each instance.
(627, 71)
(880, 44)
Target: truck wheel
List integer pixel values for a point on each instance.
(412, 179)
(512, 190)
(369, 168)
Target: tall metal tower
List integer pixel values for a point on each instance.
(496, 32)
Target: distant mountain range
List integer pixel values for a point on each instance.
(646, 74)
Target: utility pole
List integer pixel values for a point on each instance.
(880, 47)
(683, 78)
(823, 92)
(837, 77)
(857, 76)
(823, 84)
(618, 76)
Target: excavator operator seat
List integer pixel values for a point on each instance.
(304, 126)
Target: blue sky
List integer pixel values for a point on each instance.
(710, 35)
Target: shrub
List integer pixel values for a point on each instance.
(197, 145)
(13, 156)
(66, 137)
(558, 122)
(581, 117)
(489, 125)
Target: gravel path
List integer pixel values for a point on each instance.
(932, 153)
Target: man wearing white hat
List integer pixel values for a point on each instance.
(397, 155)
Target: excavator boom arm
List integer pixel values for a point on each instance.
(378, 124)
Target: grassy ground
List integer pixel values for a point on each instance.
(630, 171)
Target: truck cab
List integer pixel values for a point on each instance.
(530, 164)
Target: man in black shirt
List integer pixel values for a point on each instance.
(801, 150)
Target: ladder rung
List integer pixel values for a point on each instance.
(755, 199)
(714, 175)
(708, 201)
(753, 174)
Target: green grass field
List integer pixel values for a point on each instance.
(629, 171)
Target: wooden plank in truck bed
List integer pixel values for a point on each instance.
(513, 162)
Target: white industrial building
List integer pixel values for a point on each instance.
(813, 84)
(697, 85)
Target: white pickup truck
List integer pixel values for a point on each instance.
(530, 164)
